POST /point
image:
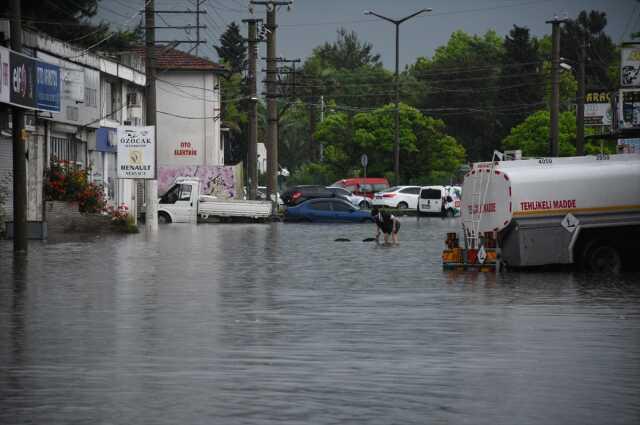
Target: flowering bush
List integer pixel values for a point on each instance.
(121, 218)
(68, 182)
(119, 215)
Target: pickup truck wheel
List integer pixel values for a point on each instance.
(604, 259)
(163, 218)
(403, 206)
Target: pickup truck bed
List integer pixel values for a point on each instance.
(233, 208)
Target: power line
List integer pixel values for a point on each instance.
(216, 117)
(96, 44)
(454, 12)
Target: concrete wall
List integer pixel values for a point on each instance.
(64, 217)
(192, 137)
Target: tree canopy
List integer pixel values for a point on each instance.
(532, 136)
(347, 52)
(70, 21)
(232, 49)
(427, 154)
(461, 84)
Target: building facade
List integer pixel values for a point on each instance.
(95, 97)
(188, 130)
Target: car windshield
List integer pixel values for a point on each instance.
(391, 189)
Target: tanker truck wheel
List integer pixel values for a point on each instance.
(604, 259)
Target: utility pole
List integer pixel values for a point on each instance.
(272, 107)
(198, 24)
(396, 144)
(555, 84)
(322, 120)
(19, 137)
(580, 101)
(252, 151)
(151, 186)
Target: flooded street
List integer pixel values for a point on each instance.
(280, 324)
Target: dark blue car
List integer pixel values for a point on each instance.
(327, 209)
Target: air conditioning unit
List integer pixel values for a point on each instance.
(133, 99)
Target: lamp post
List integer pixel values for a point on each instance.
(396, 145)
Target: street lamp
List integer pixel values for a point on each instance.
(397, 22)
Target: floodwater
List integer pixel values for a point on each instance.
(279, 324)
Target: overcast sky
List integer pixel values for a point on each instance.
(310, 23)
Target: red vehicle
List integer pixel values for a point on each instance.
(363, 186)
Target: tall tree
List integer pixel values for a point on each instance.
(521, 79)
(427, 153)
(461, 83)
(588, 28)
(532, 136)
(233, 49)
(70, 21)
(347, 52)
(345, 72)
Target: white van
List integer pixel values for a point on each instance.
(440, 200)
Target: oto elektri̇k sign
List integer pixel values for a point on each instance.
(136, 152)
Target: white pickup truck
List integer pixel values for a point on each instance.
(183, 203)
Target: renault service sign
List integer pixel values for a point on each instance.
(136, 152)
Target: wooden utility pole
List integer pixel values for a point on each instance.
(555, 85)
(252, 149)
(272, 106)
(151, 186)
(19, 135)
(580, 100)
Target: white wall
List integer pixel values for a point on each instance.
(192, 140)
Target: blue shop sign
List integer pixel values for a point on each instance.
(106, 140)
(47, 87)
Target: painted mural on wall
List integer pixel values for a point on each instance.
(216, 180)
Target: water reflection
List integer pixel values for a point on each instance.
(280, 324)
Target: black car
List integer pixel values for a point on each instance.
(297, 194)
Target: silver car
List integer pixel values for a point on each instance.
(359, 201)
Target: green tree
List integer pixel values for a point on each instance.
(521, 79)
(234, 117)
(233, 49)
(588, 28)
(345, 72)
(71, 21)
(347, 52)
(425, 150)
(461, 84)
(532, 136)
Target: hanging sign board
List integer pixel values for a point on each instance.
(23, 81)
(597, 109)
(47, 87)
(29, 83)
(630, 67)
(136, 152)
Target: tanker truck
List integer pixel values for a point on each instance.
(583, 211)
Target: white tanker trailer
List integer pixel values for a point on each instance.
(577, 210)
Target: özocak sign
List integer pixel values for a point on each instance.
(136, 152)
